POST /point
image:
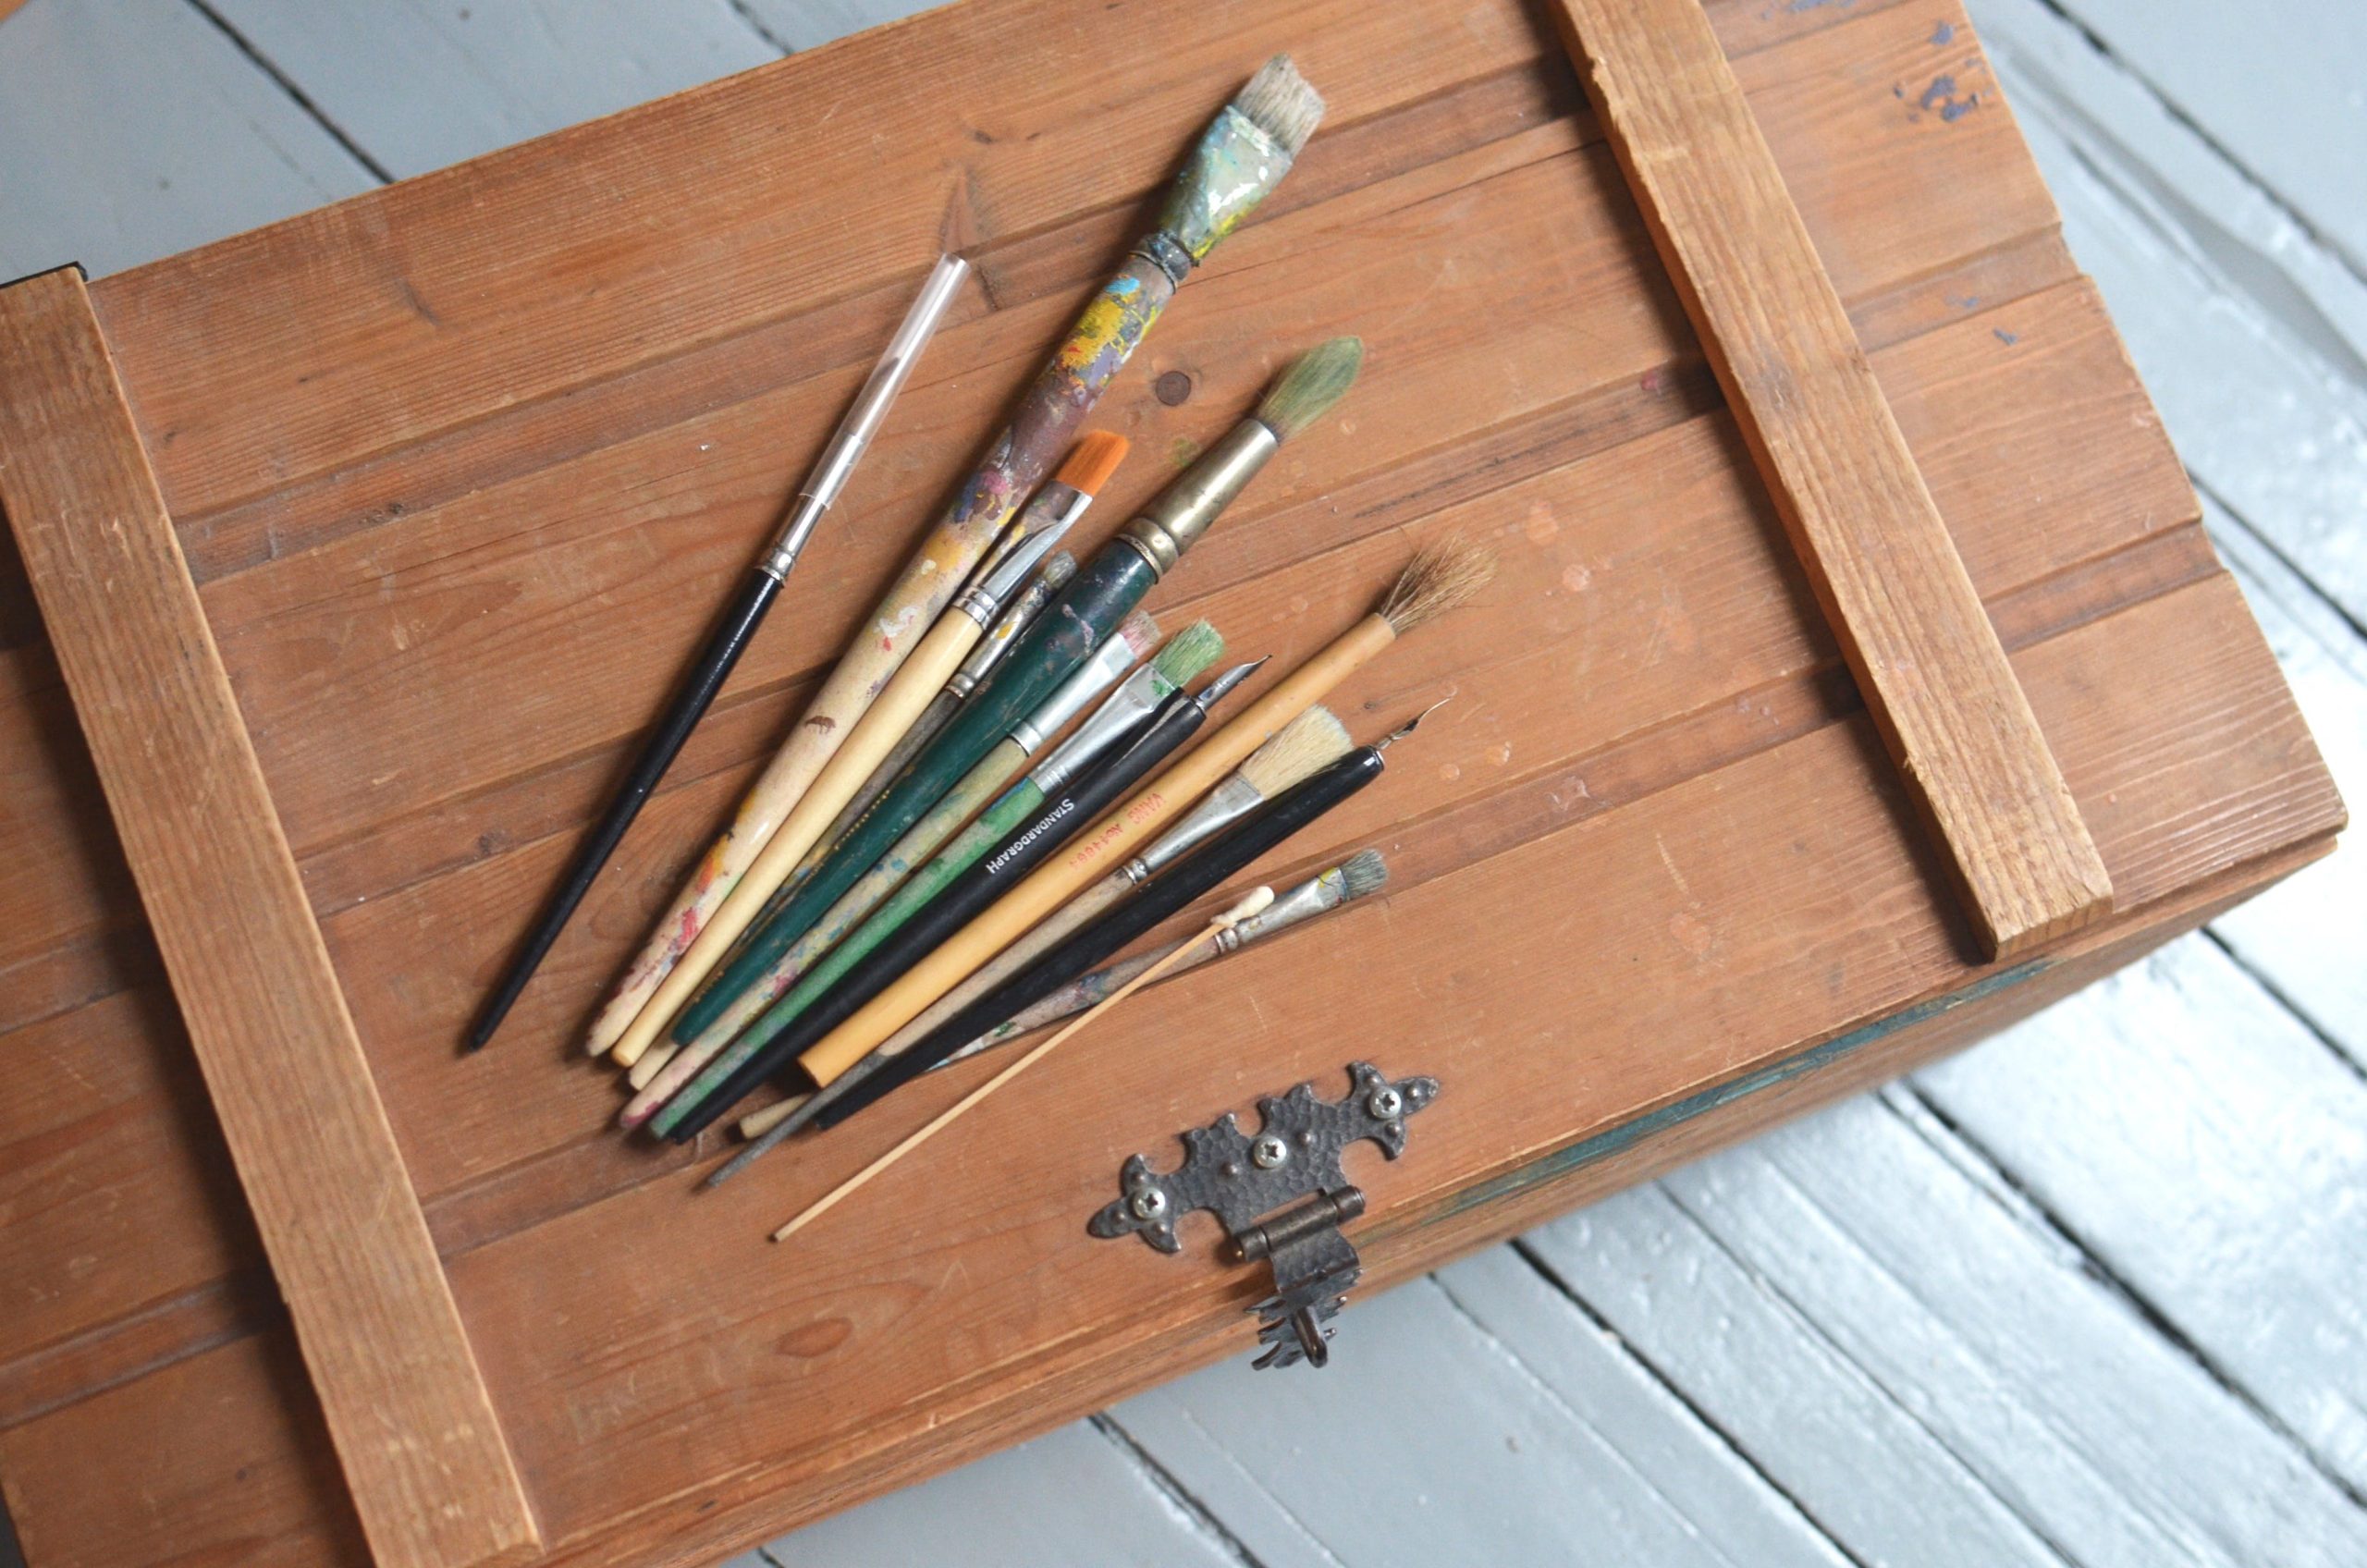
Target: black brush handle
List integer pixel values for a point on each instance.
(1185, 880)
(1082, 802)
(724, 646)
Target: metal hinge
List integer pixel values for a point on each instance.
(1281, 1197)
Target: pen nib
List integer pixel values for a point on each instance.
(1409, 725)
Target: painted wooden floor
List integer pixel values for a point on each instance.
(2095, 1293)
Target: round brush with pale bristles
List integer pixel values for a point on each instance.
(1436, 581)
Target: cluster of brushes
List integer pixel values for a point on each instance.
(996, 792)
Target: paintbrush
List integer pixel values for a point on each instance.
(1143, 721)
(729, 637)
(1256, 899)
(1016, 618)
(1438, 579)
(769, 965)
(1310, 741)
(1119, 573)
(1238, 160)
(913, 923)
(923, 675)
(1358, 876)
(1102, 668)
(1197, 873)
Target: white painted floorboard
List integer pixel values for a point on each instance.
(2091, 1294)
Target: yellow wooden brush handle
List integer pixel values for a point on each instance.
(1008, 962)
(875, 735)
(1095, 853)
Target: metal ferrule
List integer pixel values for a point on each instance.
(1164, 529)
(1023, 545)
(1128, 705)
(1226, 804)
(1091, 677)
(793, 534)
(1304, 901)
(1007, 629)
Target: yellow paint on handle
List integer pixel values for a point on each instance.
(923, 676)
(1096, 853)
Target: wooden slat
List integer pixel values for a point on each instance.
(415, 1429)
(1877, 552)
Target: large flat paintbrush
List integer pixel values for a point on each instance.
(1197, 873)
(1237, 161)
(909, 926)
(1117, 575)
(1360, 875)
(1438, 579)
(729, 637)
(1313, 739)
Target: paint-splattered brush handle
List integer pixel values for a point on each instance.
(1188, 879)
(918, 918)
(1049, 419)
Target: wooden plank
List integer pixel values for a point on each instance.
(418, 87)
(1478, 1418)
(414, 1426)
(136, 129)
(1902, 1290)
(1877, 552)
(2275, 83)
(2197, 1141)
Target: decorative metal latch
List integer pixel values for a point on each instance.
(1281, 1197)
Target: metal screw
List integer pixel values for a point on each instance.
(1269, 1152)
(1149, 1204)
(1385, 1103)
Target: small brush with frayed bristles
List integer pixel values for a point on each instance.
(1095, 458)
(1139, 632)
(1315, 739)
(1305, 391)
(1362, 872)
(1188, 652)
(1437, 580)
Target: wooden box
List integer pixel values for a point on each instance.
(456, 469)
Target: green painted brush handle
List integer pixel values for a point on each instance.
(792, 985)
(1095, 601)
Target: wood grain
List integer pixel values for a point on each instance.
(1877, 551)
(415, 1430)
(449, 556)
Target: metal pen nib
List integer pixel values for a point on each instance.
(1409, 725)
(1221, 687)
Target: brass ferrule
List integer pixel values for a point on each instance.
(1163, 530)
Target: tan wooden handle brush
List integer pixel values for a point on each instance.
(1314, 740)
(1436, 581)
(1257, 900)
(915, 685)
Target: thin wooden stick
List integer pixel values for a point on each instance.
(1257, 900)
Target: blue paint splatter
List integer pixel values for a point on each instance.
(2003, 336)
(1964, 302)
(1942, 89)
(1944, 35)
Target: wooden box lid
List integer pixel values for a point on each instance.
(458, 466)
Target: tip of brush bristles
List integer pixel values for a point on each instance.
(1280, 103)
(1315, 739)
(1141, 632)
(1189, 652)
(1315, 380)
(1438, 579)
(1094, 459)
(1364, 872)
